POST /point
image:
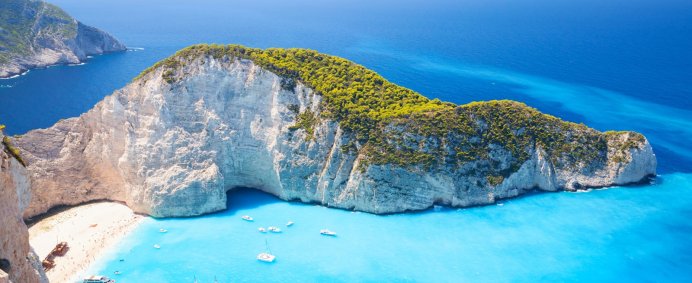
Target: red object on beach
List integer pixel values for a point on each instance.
(60, 249)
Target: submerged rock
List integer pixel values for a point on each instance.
(37, 34)
(211, 119)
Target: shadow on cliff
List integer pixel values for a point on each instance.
(248, 198)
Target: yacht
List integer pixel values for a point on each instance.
(289, 224)
(247, 218)
(262, 230)
(266, 256)
(327, 232)
(274, 229)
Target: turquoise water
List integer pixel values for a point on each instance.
(619, 64)
(614, 235)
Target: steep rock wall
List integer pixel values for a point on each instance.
(18, 263)
(174, 149)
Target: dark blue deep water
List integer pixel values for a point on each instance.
(613, 65)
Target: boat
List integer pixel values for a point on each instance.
(163, 230)
(117, 272)
(247, 218)
(261, 229)
(156, 246)
(98, 279)
(274, 229)
(327, 232)
(289, 224)
(266, 256)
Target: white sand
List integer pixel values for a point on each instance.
(86, 240)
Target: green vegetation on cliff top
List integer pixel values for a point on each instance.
(22, 20)
(396, 125)
(9, 148)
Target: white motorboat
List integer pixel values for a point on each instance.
(327, 232)
(156, 246)
(262, 230)
(274, 229)
(247, 218)
(163, 230)
(289, 224)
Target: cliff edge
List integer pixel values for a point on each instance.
(307, 126)
(37, 34)
(18, 262)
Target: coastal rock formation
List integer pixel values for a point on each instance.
(18, 262)
(37, 34)
(211, 119)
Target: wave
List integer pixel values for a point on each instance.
(16, 76)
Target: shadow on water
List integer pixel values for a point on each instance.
(248, 198)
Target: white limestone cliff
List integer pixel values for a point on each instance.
(18, 262)
(176, 149)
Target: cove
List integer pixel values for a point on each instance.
(638, 233)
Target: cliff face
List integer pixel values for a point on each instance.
(174, 147)
(18, 262)
(37, 34)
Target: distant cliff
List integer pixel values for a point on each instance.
(18, 262)
(37, 34)
(307, 126)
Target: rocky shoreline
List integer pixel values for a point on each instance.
(47, 36)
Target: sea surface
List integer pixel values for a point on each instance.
(613, 65)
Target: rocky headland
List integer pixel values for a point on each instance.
(311, 127)
(37, 34)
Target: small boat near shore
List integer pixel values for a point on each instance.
(289, 224)
(163, 230)
(156, 246)
(98, 279)
(327, 232)
(262, 230)
(247, 218)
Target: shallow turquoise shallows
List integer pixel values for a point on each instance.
(615, 235)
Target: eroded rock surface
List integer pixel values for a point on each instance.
(175, 149)
(18, 262)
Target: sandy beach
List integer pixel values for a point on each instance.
(88, 229)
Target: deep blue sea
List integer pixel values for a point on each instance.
(616, 64)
